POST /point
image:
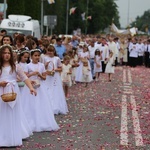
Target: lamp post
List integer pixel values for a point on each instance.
(67, 17)
(128, 15)
(4, 9)
(42, 18)
(87, 9)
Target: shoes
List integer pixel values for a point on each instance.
(74, 83)
(109, 80)
(94, 78)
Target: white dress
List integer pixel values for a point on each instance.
(109, 67)
(37, 108)
(98, 60)
(13, 123)
(79, 72)
(24, 68)
(73, 75)
(66, 78)
(55, 89)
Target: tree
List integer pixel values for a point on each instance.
(16, 7)
(142, 22)
(102, 12)
(32, 9)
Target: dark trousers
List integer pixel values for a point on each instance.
(146, 59)
(133, 61)
(140, 60)
(103, 66)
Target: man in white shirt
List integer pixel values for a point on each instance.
(113, 47)
(147, 54)
(116, 40)
(92, 49)
(140, 52)
(133, 52)
(104, 52)
(98, 42)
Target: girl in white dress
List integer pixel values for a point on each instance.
(85, 71)
(66, 74)
(79, 72)
(54, 83)
(74, 64)
(13, 123)
(110, 67)
(23, 59)
(38, 109)
(97, 64)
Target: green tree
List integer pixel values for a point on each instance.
(58, 9)
(142, 22)
(16, 7)
(102, 12)
(32, 8)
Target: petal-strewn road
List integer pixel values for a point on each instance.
(103, 116)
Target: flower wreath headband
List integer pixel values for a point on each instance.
(24, 51)
(35, 50)
(6, 45)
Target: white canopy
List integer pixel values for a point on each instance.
(131, 31)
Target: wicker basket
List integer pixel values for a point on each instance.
(8, 97)
(51, 72)
(36, 84)
(84, 60)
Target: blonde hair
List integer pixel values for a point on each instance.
(66, 58)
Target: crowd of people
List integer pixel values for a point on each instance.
(41, 71)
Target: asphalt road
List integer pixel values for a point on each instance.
(103, 116)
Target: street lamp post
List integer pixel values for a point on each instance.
(128, 15)
(87, 9)
(42, 1)
(4, 9)
(67, 17)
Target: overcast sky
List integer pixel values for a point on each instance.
(132, 7)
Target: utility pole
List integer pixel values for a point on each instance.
(67, 17)
(128, 15)
(42, 1)
(87, 9)
(4, 9)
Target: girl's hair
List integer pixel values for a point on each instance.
(86, 47)
(34, 50)
(70, 53)
(30, 43)
(11, 60)
(51, 48)
(45, 44)
(20, 38)
(66, 58)
(11, 39)
(97, 52)
(74, 51)
(111, 53)
(22, 53)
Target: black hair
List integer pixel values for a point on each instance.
(11, 39)
(97, 52)
(33, 51)
(21, 54)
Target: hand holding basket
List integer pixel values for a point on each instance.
(9, 97)
(51, 72)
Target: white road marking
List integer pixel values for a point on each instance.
(136, 123)
(124, 122)
(129, 76)
(124, 76)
